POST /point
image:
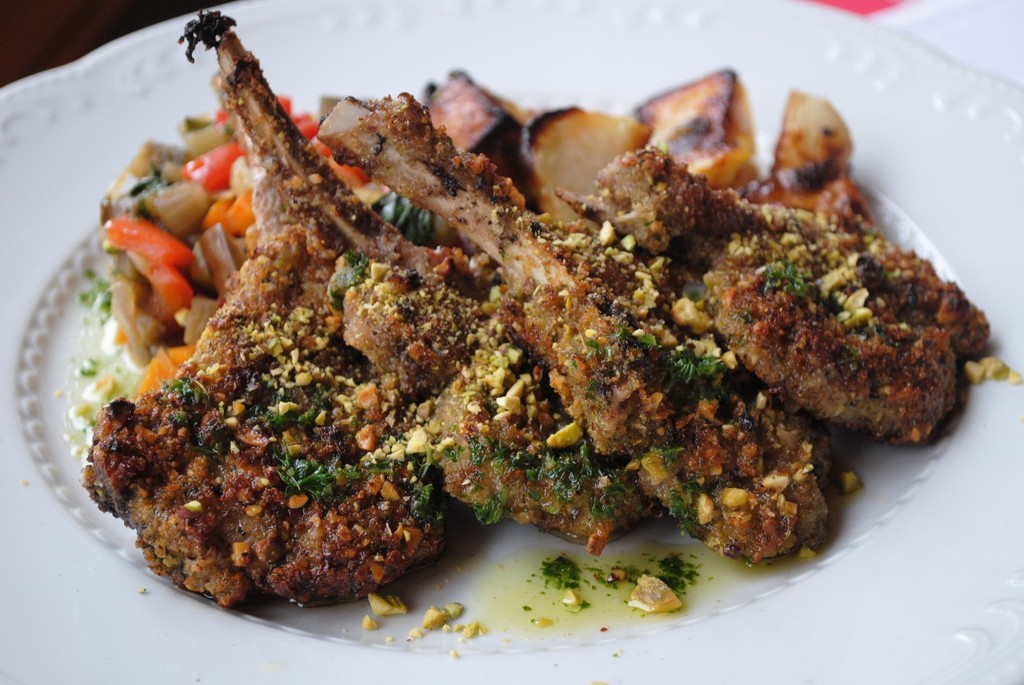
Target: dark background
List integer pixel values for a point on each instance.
(41, 34)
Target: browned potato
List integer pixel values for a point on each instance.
(479, 121)
(812, 160)
(708, 126)
(566, 148)
(813, 135)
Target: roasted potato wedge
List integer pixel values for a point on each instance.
(566, 148)
(812, 163)
(708, 126)
(479, 121)
(814, 140)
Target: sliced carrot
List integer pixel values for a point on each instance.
(164, 366)
(160, 368)
(181, 353)
(239, 216)
(217, 212)
(120, 337)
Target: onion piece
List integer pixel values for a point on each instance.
(199, 314)
(180, 207)
(221, 256)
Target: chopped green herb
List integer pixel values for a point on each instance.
(190, 391)
(491, 511)
(561, 572)
(97, 297)
(699, 377)
(89, 368)
(647, 340)
(304, 476)
(148, 184)
(677, 572)
(427, 504)
(785, 276)
(597, 351)
(682, 506)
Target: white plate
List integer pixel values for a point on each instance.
(924, 579)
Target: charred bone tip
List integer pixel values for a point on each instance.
(208, 28)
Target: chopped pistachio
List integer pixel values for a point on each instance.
(572, 601)
(419, 442)
(566, 436)
(473, 629)
(606, 236)
(386, 605)
(654, 465)
(734, 498)
(433, 619)
(686, 314)
(452, 610)
(849, 482)
(775, 481)
(651, 595)
(705, 509)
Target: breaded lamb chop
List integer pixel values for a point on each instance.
(567, 310)
(509, 452)
(311, 191)
(244, 475)
(247, 475)
(850, 327)
(704, 437)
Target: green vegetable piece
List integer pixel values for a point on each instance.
(415, 224)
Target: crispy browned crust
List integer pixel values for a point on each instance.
(744, 480)
(889, 371)
(498, 461)
(890, 383)
(196, 467)
(419, 333)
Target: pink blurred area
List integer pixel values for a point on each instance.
(860, 6)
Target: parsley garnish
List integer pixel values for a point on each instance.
(490, 511)
(305, 476)
(561, 572)
(97, 297)
(699, 377)
(427, 504)
(785, 276)
(677, 573)
(190, 391)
